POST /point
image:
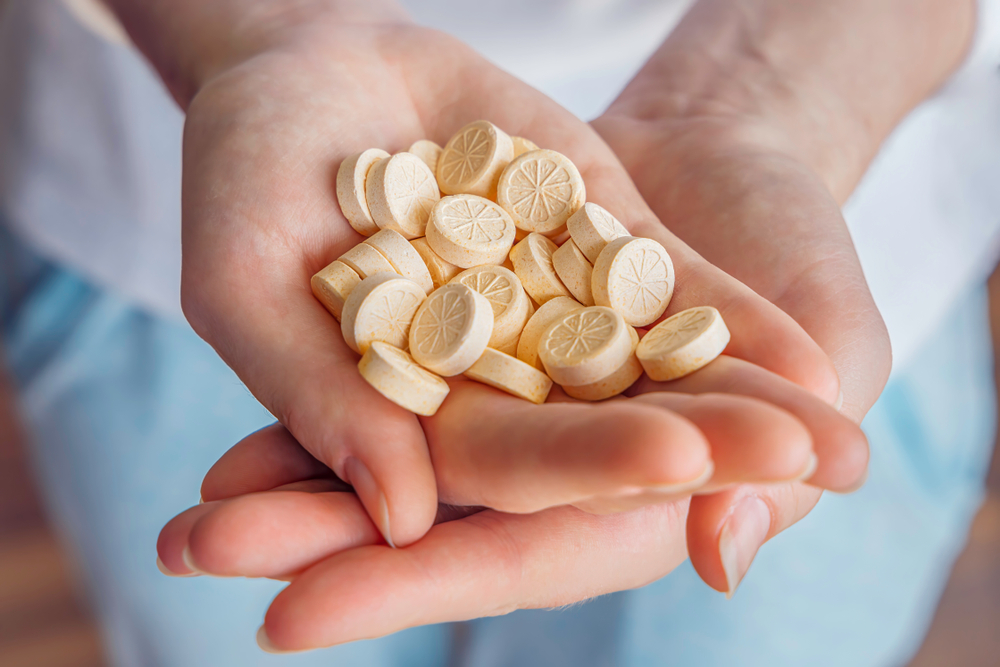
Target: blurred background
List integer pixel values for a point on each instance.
(45, 621)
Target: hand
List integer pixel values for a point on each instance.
(274, 511)
(263, 138)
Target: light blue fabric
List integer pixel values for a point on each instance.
(128, 412)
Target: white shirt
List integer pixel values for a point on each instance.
(90, 146)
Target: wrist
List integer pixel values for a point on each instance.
(823, 83)
(189, 42)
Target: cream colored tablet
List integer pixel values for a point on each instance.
(396, 376)
(634, 276)
(467, 231)
(522, 145)
(547, 313)
(351, 177)
(510, 304)
(426, 150)
(401, 192)
(333, 285)
(382, 308)
(592, 228)
(511, 375)
(366, 261)
(451, 329)
(614, 384)
(404, 258)
(683, 343)
(532, 259)
(440, 270)
(473, 159)
(584, 346)
(574, 271)
(541, 190)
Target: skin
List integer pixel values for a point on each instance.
(300, 85)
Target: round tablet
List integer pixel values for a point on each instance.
(613, 384)
(547, 313)
(635, 277)
(510, 304)
(522, 145)
(382, 308)
(351, 177)
(541, 190)
(394, 374)
(532, 259)
(333, 285)
(404, 257)
(592, 228)
(440, 270)
(467, 231)
(511, 375)
(426, 150)
(584, 346)
(401, 192)
(366, 261)
(451, 329)
(574, 271)
(683, 343)
(473, 159)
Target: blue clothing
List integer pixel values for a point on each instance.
(127, 411)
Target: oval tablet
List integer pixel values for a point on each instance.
(401, 192)
(467, 231)
(592, 228)
(547, 313)
(510, 304)
(541, 190)
(511, 375)
(451, 329)
(381, 308)
(394, 374)
(522, 145)
(333, 285)
(426, 150)
(683, 343)
(404, 257)
(440, 270)
(574, 271)
(635, 277)
(351, 178)
(584, 346)
(473, 159)
(366, 261)
(532, 260)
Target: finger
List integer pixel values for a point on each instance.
(264, 460)
(840, 445)
(494, 450)
(725, 530)
(277, 534)
(751, 442)
(173, 538)
(484, 565)
(252, 239)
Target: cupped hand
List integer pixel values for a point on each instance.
(262, 143)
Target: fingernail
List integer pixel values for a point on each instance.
(264, 642)
(371, 496)
(170, 573)
(857, 486)
(188, 560)
(742, 535)
(683, 488)
(839, 403)
(201, 501)
(809, 470)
